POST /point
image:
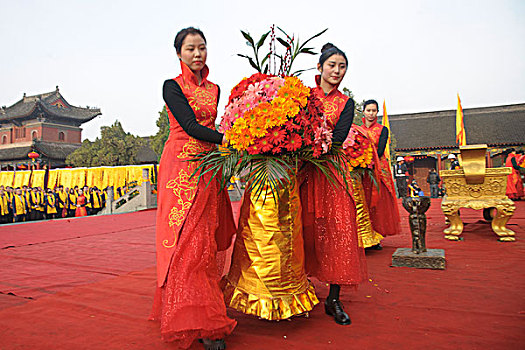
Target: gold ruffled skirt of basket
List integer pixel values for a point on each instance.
(367, 236)
(267, 276)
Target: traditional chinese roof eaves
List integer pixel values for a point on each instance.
(51, 150)
(495, 126)
(145, 154)
(28, 104)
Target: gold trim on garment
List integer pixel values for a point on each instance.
(273, 309)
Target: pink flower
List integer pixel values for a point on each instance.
(323, 137)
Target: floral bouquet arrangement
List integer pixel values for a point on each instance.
(276, 115)
(358, 149)
(275, 124)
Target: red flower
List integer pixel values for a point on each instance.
(264, 145)
(292, 126)
(240, 88)
(276, 135)
(293, 142)
(254, 149)
(277, 150)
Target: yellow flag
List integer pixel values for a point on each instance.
(386, 124)
(461, 137)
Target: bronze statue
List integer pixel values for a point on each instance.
(416, 207)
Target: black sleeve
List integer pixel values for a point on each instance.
(344, 123)
(181, 110)
(515, 164)
(383, 138)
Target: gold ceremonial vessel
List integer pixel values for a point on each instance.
(477, 187)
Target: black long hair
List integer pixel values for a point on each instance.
(328, 50)
(370, 102)
(179, 38)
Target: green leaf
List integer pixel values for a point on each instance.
(248, 37)
(252, 63)
(283, 42)
(298, 72)
(313, 37)
(262, 39)
(282, 31)
(308, 50)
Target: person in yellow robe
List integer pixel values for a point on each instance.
(96, 201)
(50, 205)
(71, 203)
(61, 201)
(4, 207)
(20, 206)
(26, 192)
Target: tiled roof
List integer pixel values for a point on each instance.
(145, 154)
(52, 150)
(499, 125)
(44, 103)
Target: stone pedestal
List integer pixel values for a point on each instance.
(431, 259)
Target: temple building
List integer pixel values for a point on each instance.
(431, 136)
(46, 124)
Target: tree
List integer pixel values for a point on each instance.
(160, 138)
(358, 107)
(114, 147)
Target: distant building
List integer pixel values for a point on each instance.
(431, 136)
(46, 124)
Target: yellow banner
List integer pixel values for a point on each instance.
(52, 181)
(78, 176)
(6, 178)
(461, 137)
(64, 176)
(37, 179)
(22, 178)
(95, 177)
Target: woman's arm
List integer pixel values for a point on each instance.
(344, 123)
(181, 110)
(383, 138)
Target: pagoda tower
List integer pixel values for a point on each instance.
(44, 123)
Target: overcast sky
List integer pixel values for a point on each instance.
(116, 54)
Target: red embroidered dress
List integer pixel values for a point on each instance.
(514, 182)
(193, 222)
(332, 250)
(382, 205)
(81, 209)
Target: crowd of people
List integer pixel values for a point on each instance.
(35, 203)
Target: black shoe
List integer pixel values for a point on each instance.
(335, 308)
(378, 246)
(209, 344)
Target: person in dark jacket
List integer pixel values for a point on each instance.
(433, 180)
(401, 176)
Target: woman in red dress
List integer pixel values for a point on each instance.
(81, 204)
(382, 204)
(514, 183)
(193, 221)
(332, 250)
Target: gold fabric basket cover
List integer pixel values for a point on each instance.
(267, 276)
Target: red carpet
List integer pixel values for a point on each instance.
(92, 281)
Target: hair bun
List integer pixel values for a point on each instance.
(327, 46)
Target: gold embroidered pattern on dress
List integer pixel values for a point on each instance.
(184, 189)
(330, 108)
(192, 148)
(205, 99)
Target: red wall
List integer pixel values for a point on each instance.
(44, 133)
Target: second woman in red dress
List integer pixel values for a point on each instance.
(332, 250)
